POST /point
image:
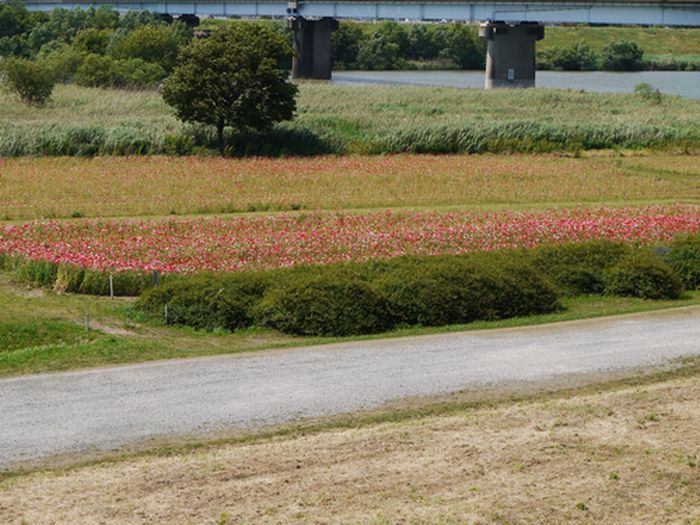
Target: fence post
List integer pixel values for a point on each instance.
(111, 286)
(155, 277)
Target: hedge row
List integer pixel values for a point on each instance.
(373, 297)
(357, 298)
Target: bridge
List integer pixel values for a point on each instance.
(510, 28)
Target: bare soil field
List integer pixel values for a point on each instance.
(615, 454)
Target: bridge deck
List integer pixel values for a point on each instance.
(616, 12)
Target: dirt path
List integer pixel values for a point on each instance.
(106, 408)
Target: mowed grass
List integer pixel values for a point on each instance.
(625, 451)
(42, 331)
(34, 188)
(348, 119)
(657, 42)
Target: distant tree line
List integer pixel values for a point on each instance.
(390, 45)
(92, 47)
(100, 47)
(616, 56)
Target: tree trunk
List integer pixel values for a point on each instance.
(220, 136)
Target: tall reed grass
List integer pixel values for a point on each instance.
(355, 119)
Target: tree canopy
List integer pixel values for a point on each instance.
(233, 78)
(32, 81)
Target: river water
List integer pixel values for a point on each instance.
(683, 83)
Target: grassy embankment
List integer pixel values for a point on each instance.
(358, 119)
(658, 43)
(623, 451)
(41, 331)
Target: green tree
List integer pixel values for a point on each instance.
(395, 33)
(105, 71)
(14, 19)
(345, 44)
(378, 53)
(96, 71)
(233, 78)
(159, 44)
(63, 59)
(422, 42)
(622, 56)
(464, 47)
(93, 40)
(574, 57)
(32, 81)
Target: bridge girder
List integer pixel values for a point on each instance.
(640, 12)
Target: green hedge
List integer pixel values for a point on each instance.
(373, 297)
(683, 256)
(578, 268)
(448, 290)
(353, 299)
(323, 305)
(644, 276)
(208, 301)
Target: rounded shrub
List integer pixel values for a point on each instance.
(324, 305)
(684, 258)
(434, 293)
(578, 268)
(524, 291)
(622, 56)
(578, 279)
(458, 289)
(32, 81)
(207, 301)
(643, 276)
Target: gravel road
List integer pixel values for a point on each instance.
(100, 409)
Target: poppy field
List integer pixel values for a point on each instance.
(186, 245)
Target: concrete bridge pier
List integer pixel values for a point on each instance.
(510, 53)
(312, 43)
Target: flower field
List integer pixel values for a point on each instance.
(36, 188)
(282, 240)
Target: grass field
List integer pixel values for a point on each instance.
(139, 186)
(657, 42)
(359, 119)
(625, 451)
